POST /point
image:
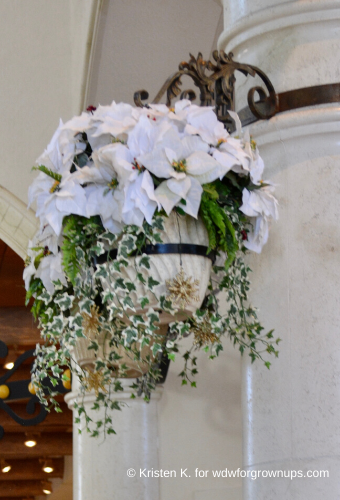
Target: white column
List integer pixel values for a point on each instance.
(104, 468)
(291, 412)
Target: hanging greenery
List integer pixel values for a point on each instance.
(113, 184)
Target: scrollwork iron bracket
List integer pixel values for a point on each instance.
(215, 81)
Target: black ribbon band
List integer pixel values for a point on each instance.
(164, 248)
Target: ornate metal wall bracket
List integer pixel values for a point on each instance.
(216, 83)
(19, 390)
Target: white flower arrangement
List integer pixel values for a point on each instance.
(116, 178)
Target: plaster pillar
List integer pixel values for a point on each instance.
(103, 468)
(291, 412)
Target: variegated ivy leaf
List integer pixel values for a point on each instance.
(144, 301)
(98, 249)
(45, 297)
(76, 320)
(64, 301)
(152, 283)
(110, 237)
(101, 272)
(145, 341)
(143, 261)
(158, 223)
(128, 304)
(116, 264)
(137, 319)
(153, 316)
(156, 348)
(57, 324)
(58, 286)
(130, 335)
(107, 296)
(80, 253)
(130, 286)
(127, 245)
(166, 304)
(85, 305)
(93, 345)
(119, 284)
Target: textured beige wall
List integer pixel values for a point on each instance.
(43, 57)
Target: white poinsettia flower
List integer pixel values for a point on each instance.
(240, 153)
(30, 269)
(111, 121)
(260, 205)
(59, 154)
(186, 165)
(102, 196)
(56, 199)
(203, 121)
(137, 185)
(50, 269)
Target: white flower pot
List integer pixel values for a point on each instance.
(164, 268)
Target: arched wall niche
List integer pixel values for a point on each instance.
(17, 223)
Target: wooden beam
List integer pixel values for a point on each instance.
(31, 469)
(17, 326)
(54, 422)
(21, 373)
(48, 445)
(20, 488)
(18, 498)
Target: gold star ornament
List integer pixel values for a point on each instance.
(183, 290)
(203, 333)
(90, 322)
(95, 381)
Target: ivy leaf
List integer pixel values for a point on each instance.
(152, 282)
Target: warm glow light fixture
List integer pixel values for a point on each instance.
(11, 359)
(47, 487)
(48, 466)
(5, 467)
(30, 440)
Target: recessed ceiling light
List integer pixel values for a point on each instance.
(48, 466)
(30, 440)
(5, 467)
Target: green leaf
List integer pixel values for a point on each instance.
(49, 172)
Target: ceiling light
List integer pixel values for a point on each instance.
(5, 467)
(30, 440)
(11, 359)
(48, 466)
(47, 487)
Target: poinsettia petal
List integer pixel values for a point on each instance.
(179, 187)
(203, 167)
(166, 198)
(193, 198)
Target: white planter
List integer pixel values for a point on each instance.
(164, 268)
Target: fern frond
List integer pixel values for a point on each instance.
(49, 172)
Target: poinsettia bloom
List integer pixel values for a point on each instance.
(30, 269)
(139, 194)
(203, 122)
(103, 197)
(260, 205)
(59, 154)
(113, 121)
(186, 165)
(57, 199)
(50, 269)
